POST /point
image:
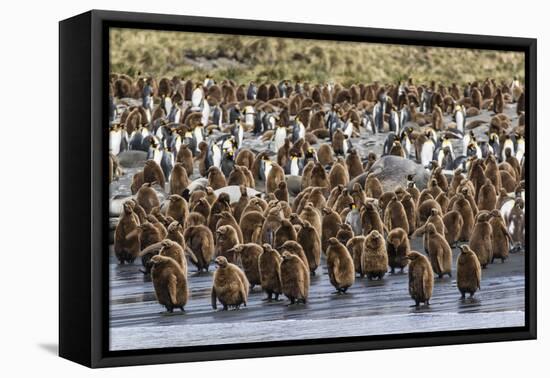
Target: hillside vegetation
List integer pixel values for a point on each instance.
(245, 58)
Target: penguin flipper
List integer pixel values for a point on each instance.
(172, 288)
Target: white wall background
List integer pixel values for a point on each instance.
(29, 185)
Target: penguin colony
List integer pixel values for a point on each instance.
(272, 218)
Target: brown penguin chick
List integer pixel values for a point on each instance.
(384, 199)
(169, 282)
(177, 208)
(230, 286)
(421, 278)
(435, 219)
(313, 216)
(281, 193)
(153, 173)
(344, 233)
(185, 157)
(453, 226)
(275, 176)
(174, 232)
(492, 172)
(319, 176)
(283, 153)
(433, 189)
(358, 195)
(443, 201)
(410, 210)
(370, 219)
(148, 235)
(237, 177)
(201, 158)
(397, 149)
(325, 154)
(175, 251)
(353, 163)
(487, 198)
(477, 176)
(227, 219)
(160, 227)
(516, 224)
(294, 278)
(178, 179)
(269, 264)
(202, 207)
(195, 197)
(251, 226)
(481, 241)
(142, 215)
(373, 187)
(398, 247)
(330, 224)
(501, 237)
(338, 175)
(413, 190)
(335, 193)
(512, 160)
(226, 239)
(155, 211)
(395, 215)
(200, 241)
(194, 219)
(477, 98)
(241, 204)
(216, 179)
(468, 272)
(246, 158)
(294, 248)
(137, 182)
(457, 179)
(343, 202)
(127, 243)
(356, 246)
(310, 241)
(465, 210)
(284, 232)
(508, 182)
(272, 222)
(467, 192)
(338, 140)
(147, 198)
(374, 260)
(441, 180)
(317, 198)
(425, 210)
(211, 195)
(220, 205)
(498, 102)
(306, 174)
(248, 254)
(371, 159)
(340, 267)
(439, 252)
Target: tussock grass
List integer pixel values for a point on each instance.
(245, 58)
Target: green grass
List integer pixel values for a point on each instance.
(245, 58)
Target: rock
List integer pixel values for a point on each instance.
(392, 171)
(132, 159)
(234, 192)
(198, 184)
(115, 205)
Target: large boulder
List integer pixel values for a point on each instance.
(392, 171)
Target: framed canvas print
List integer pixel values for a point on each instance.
(234, 188)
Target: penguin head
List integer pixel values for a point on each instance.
(221, 262)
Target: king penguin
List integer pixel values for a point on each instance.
(197, 98)
(294, 166)
(298, 130)
(460, 117)
(279, 137)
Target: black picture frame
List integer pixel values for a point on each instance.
(83, 196)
